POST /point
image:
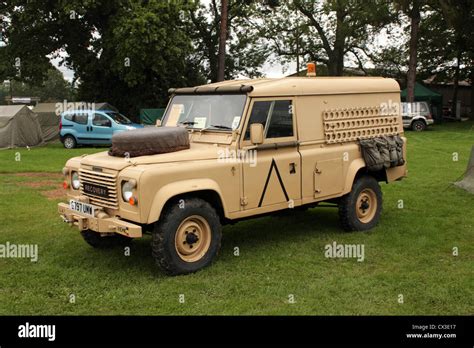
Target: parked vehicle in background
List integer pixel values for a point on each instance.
(416, 115)
(92, 127)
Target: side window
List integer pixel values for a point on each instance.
(69, 117)
(281, 122)
(80, 118)
(101, 120)
(275, 116)
(259, 114)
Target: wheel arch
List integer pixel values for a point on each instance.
(418, 118)
(205, 189)
(357, 169)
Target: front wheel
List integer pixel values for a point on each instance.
(360, 209)
(418, 126)
(187, 237)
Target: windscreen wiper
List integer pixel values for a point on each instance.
(187, 123)
(218, 126)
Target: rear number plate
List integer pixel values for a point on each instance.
(82, 208)
(96, 190)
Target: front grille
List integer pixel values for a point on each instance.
(107, 180)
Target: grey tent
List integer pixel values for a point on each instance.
(19, 127)
(105, 106)
(49, 120)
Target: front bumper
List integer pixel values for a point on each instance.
(100, 223)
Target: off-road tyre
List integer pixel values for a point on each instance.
(364, 194)
(69, 142)
(170, 244)
(418, 126)
(95, 240)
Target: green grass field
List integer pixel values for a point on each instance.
(410, 253)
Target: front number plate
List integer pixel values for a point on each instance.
(82, 208)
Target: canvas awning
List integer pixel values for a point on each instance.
(423, 93)
(149, 116)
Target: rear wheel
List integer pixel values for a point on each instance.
(98, 241)
(187, 238)
(69, 142)
(360, 209)
(418, 126)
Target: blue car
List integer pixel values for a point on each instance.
(92, 127)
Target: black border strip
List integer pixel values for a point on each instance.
(220, 330)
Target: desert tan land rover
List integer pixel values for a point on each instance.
(236, 149)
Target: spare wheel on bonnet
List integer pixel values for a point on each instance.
(149, 141)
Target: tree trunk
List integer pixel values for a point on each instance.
(472, 93)
(222, 41)
(454, 107)
(415, 25)
(339, 44)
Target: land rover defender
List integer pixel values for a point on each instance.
(237, 149)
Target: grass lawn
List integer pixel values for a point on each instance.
(410, 253)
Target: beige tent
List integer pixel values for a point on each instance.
(49, 120)
(19, 127)
(105, 106)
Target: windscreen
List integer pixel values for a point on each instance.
(217, 112)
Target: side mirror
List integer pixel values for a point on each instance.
(256, 133)
(158, 123)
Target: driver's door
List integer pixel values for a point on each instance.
(101, 128)
(273, 180)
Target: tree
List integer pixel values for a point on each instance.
(54, 88)
(222, 41)
(459, 15)
(446, 43)
(329, 31)
(126, 53)
(412, 8)
(247, 50)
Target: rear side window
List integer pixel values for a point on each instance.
(423, 107)
(80, 118)
(77, 118)
(276, 117)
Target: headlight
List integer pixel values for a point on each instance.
(75, 182)
(127, 189)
